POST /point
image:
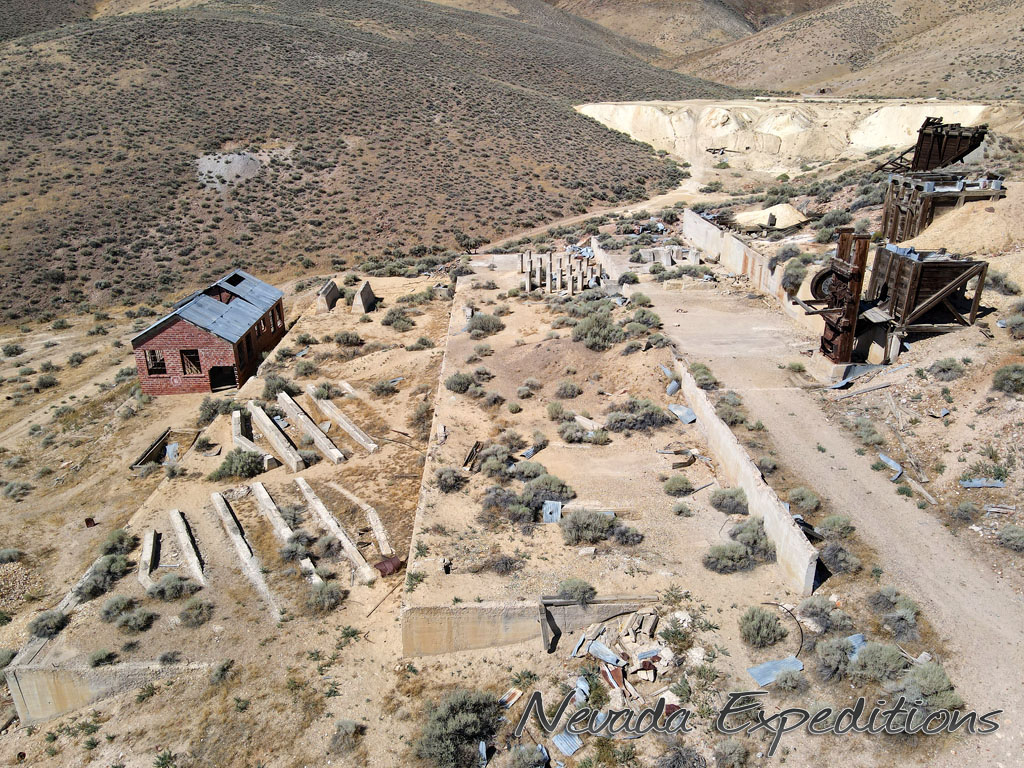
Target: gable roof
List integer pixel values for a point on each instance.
(231, 320)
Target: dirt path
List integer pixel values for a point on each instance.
(976, 613)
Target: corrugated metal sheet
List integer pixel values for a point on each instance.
(568, 744)
(765, 674)
(551, 512)
(255, 291)
(684, 414)
(230, 321)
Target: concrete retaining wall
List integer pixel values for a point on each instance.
(738, 257)
(320, 440)
(288, 455)
(249, 562)
(430, 630)
(332, 412)
(794, 553)
(45, 692)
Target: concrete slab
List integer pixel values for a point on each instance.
(332, 412)
(282, 447)
(364, 573)
(308, 426)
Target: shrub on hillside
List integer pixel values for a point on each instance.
(728, 558)
(458, 383)
(48, 624)
(1009, 378)
(760, 627)
(1012, 537)
(731, 501)
(456, 726)
(105, 573)
(577, 590)
(172, 587)
(119, 542)
(585, 526)
(238, 463)
(449, 479)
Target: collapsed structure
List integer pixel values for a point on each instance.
(913, 200)
(909, 292)
(574, 272)
(938, 144)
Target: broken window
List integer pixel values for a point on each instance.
(280, 316)
(155, 365)
(259, 328)
(190, 362)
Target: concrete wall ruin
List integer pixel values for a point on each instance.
(736, 256)
(431, 630)
(794, 554)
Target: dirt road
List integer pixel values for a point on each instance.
(976, 613)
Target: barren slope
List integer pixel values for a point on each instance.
(881, 47)
(675, 27)
(380, 126)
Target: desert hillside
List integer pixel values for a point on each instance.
(900, 48)
(324, 138)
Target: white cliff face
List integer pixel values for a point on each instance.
(781, 136)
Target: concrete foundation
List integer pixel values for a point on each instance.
(794, 554)
(365, 300)
(282, 529)
(320, 440)
(288, 455)
(187, 546)
(432, 630)
(379, 532)
(332, 412)
(240, 440)
(45, 692)
(248, 560)
(364, 573)
(147, 559)
(327, 297)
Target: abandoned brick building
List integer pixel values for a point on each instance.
(213, 339)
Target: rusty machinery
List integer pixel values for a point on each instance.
(909, 292)
(839, 287)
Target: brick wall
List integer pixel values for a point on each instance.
(213, 351)
(178, 335)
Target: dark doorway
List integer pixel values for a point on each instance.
(222, 377)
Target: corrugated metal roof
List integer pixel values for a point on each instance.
(256, 292)
(230, 321)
